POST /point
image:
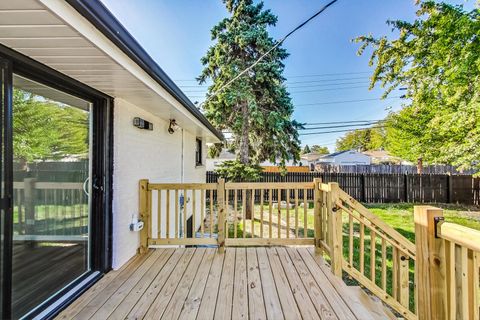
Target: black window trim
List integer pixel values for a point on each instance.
(198, 152)
(102, 164)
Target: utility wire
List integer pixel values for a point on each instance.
(336, 122)
(272, 48)
(344, 101)
(296, 83)
(308, 91)
(298, 76)
(322, 88)
(204, 90)
(335, 131)
(341, 126)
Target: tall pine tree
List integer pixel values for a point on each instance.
(256, 108)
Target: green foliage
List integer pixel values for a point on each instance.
(214, 150)
(234, 170)
(256, 108)
(319, 149)
(437, 59)
(362, 140)
(44, 130)
(306, 149)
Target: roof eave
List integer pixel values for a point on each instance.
(104, 21)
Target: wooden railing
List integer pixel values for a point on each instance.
(367, 249)
(435, 278)
(49, 210)
(449, 265)
(226, 214)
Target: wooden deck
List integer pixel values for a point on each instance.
(242, 283)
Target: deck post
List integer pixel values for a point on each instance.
(317, 214)
(144, 214)
(29, 194)
(335, 229)
(430, 267)
(221, 214)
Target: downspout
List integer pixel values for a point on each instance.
(182, 180)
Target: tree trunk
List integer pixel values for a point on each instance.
(244, 158)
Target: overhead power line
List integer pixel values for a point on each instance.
(342, 126)
(302, 91)
(300, 76)
(335, 131)
(279, 42)
(326, 86)
(343, 101)
(336, 122)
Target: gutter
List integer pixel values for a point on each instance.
(104, 21)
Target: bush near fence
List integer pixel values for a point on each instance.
(389, 188)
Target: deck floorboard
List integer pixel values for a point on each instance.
(200, 283)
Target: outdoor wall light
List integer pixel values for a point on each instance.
(172, 126)
(142, 124)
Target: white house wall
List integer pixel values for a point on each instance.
(142, 154)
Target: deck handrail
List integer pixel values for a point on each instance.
(419, 281)
(450, 265)
(353, 236)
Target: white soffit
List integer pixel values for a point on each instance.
(55, 34)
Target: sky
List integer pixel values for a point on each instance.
(325, 76)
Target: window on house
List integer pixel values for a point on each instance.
(198, 152)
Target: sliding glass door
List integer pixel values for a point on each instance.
(51, 187)
(5, 217)
(55, 182)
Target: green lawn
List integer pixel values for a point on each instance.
(400, 216)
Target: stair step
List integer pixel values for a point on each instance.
(374, 304)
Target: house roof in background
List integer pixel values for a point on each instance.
(99, 16)
(331, 155)
(312, 156)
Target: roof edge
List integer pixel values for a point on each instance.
(104, 21)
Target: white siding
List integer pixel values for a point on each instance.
(142, 154)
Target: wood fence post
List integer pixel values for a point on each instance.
(144, 213)
(29, 194)
(363, 186)
(430, 266)
(449, 188)
(317, 214)
(405, 187)
(335, 227)
(221, 214)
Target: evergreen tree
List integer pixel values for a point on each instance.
(45, 130)
(306, 149)
(256, 108)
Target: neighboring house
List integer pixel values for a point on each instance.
(214, 163)
(310, 159)
(77, 56)
(384, 157)
(348, 157)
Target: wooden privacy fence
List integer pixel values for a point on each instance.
(435, 278)
(384, 188)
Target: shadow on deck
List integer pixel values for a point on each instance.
(243, 283)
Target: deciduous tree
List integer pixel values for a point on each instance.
(437, 59)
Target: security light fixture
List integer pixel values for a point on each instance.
(142, 124)
(172, 126)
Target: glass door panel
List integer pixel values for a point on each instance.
(51, 186)
(5, 213)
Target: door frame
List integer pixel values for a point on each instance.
(102, 171)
